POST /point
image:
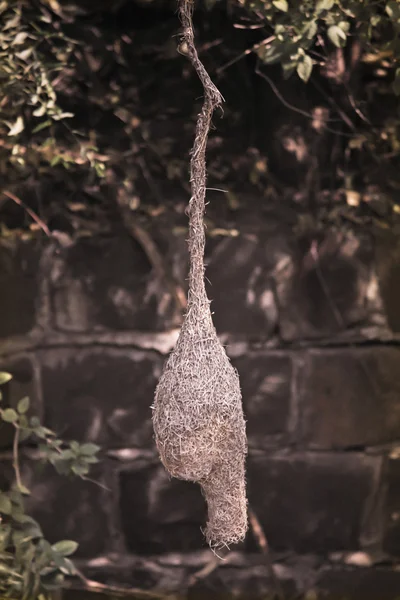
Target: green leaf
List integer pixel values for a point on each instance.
(337, 36)
(24, 490)
(31, 527)
(304, 68)
(80, 469)
(271, 55)
(42, 126)
(5, 505)
(17, 514)
(23, 405)
(17, 127)
(89, 449)
(9, 415)
(55, 160)
(65, 115)
(311, 29)
(23, 421)
(67, 455)
(40, 432)
(281, 5)
(5, 377)
(54, 583)
(60, 466)
(39, 112)
(24, 434)
(65, 547)
(393, 10)
(375, 20)
(90, 460)
(324, 5)
(67, 567)
(344, 26)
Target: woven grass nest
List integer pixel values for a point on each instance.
(197, 414)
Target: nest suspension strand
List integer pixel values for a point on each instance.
(198, 417)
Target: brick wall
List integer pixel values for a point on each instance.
(312, 326)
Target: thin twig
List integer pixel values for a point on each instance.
(16, 457)
(295, 108)
(254, 48)
(30, 212)
(264, 547)
(338, 315)
(336, 312)
(211, 566)
(153, 254)
(95, 586)
(346, 119)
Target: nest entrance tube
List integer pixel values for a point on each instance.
(197, 414)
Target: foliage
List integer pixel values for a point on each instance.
(303, 32)
(30, 567)
(130, 91)
(36, 57)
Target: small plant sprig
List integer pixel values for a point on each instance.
(30, 567)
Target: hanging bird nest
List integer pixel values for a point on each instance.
(197, 415)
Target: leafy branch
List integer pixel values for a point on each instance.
(30, 567)
(304, 33)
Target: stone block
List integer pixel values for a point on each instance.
(160, 514)
(19, 284)
(328, 287)
(350, 397)
(25, 382)
(251, 582)
(67, 507)
(101, 394)
(108, 283)
(265, 379)
(71, 508)
(309, 502)
(387, 260)
(376, 583)
(239, 270)
(391, 542)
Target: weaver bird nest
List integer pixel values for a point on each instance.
(197, 414)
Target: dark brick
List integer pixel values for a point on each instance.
(67, 507)
(375, 583)
(107, 283)
(388, 271)
(391, 542)
(19, 287)
(159, 514)
(350, 397)
(100, 394)
(249, 583)
(241, 289)
(24, 383)
(324, 290)
(311, 502)
(71, 508)
(265, 379)
(6, 474)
